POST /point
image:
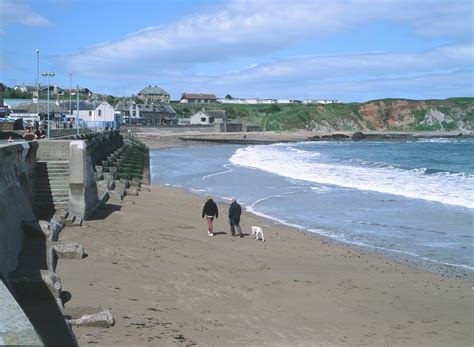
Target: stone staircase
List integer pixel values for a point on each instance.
(51, 193)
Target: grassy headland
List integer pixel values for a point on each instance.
(379, 115)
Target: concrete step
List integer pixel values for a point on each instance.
(51, 207)
(42, 180)
(49, 199)
(55, 174)
(51, 190)
(51, 185)
(55, 170)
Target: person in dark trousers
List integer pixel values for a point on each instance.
(210, 211)
(234, 217)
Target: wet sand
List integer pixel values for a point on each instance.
(151, 263)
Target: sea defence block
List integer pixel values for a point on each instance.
(69, 250)
(89, 316)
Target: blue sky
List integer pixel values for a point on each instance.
(348, 50)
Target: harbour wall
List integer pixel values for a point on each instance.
(16, 193)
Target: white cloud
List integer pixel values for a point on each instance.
(17, 11)
(253, 29)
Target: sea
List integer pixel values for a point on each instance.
(409, 200)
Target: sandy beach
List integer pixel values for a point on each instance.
(151, 263)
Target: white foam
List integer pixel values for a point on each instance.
(446, 188)
(218, 173)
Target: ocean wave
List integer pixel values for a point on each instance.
(443, 187)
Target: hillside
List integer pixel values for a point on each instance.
(381, 115)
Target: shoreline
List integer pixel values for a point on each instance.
(151, 263)
(159, 138)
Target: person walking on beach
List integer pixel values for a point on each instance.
(210, 211)
(234, 217)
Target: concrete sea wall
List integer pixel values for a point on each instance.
(16, 192)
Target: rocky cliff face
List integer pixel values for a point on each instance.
(449, 114)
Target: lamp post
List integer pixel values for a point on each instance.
(77, 109)
(37, 82)
(70, 92)
(48, 75)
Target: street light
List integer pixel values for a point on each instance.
(70, 92)
(77, 109)
(37, 82)
(48, 75)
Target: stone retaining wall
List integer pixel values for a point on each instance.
(16, 189)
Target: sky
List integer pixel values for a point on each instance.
(349, 50)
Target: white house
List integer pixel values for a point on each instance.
(208, 117)
(101, 112)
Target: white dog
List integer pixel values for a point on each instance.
(257, 233)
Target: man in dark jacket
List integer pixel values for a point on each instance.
(210, 211)
(234, 217)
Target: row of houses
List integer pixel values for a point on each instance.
(256, 101)
(102, 114)
(154, 94)
(99, 113)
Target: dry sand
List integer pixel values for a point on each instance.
(151, 263)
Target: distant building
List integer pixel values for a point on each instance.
(150, 95)
(153, 114)
(25, 89)
(100, 114)
(207, 117)
(191, 98)
(53, 90)
(322, 102)
(254, 101)
(288, 101)
(129, 112)
(30, 111)
(4, 111)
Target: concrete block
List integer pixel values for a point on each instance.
(125, 182)
(99, 169)
(108, 176)
(69, 220)
(69, 250)
(136, 182)
(92, 317)
(119, 185)
(77, 222)
(111, 185)
(102, 186)
(117, 194)
(131, 191)
(45, 227)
